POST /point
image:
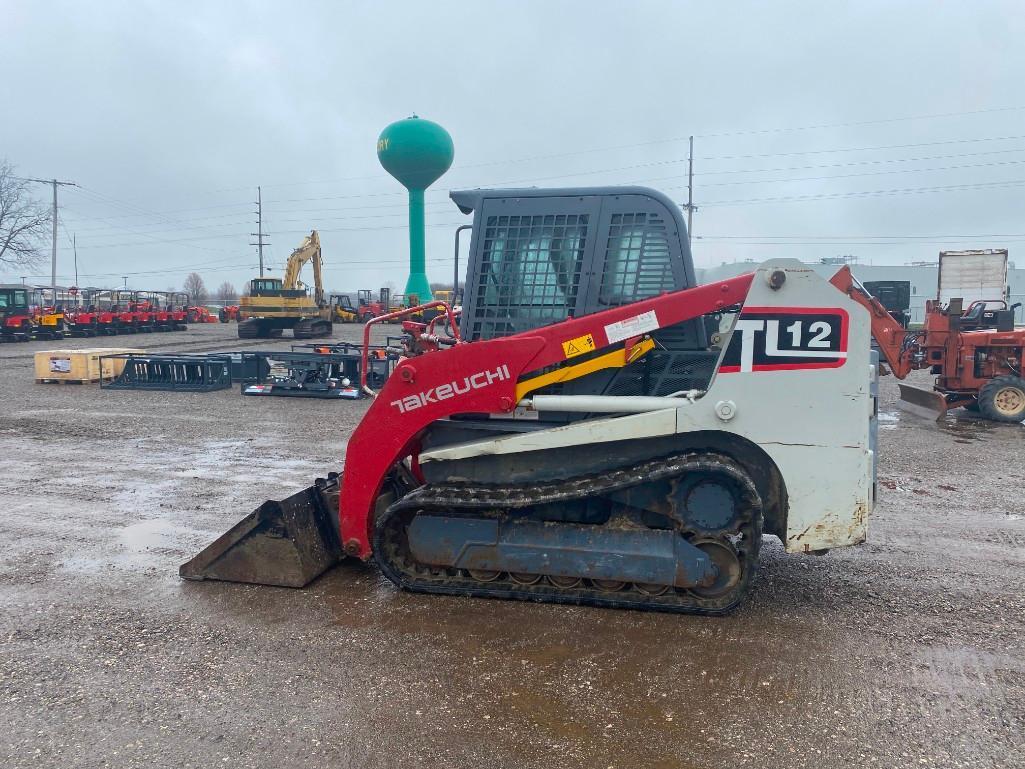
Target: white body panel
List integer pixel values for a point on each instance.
(814, 423)
(972, 275)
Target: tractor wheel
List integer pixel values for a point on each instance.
(1002, 399)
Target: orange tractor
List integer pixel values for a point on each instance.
(979, 369)
(228, 313)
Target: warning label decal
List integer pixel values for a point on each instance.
(635, 326)
(578, 346)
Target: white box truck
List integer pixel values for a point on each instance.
(972, 275)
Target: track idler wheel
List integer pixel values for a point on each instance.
(729, 570)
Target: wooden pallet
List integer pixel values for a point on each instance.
(67, 381)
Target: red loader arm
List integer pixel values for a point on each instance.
(482, 377)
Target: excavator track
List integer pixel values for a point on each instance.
(734, 549)
(311, 329)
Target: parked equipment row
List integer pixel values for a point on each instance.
(33, 313)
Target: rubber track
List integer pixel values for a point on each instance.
(391, 552)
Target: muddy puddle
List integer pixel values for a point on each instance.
(961, 425)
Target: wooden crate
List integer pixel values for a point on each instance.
(78, 366)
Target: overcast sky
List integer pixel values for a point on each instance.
(170, 114)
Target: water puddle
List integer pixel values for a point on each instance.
(966, 427)
(153, 544)
(962, 425)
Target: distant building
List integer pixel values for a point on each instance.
(922, 276)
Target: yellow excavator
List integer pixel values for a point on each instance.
(274, 304)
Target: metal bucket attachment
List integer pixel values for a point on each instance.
(287, 543)
(925, 403)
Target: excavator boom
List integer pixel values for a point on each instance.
(308, 251)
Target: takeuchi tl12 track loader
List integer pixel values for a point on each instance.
(274, 305)
(577, 439)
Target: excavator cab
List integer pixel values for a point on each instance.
(265, 287)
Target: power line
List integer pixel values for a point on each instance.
(877, 121)
(858, 175)
(170, 270)
(184, 210)
(147, 235)
(177, 224)
(276, 232)
(867, 193)
(954, 236)
(867, 149)
(848, 164)
(669, 140)
(401, 208)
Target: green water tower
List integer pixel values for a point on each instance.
(416, 152)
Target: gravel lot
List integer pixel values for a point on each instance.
(907, 651)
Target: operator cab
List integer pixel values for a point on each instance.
(272, 287)
(342, 301)
(540, 256)
(13, 300)
(265, 287)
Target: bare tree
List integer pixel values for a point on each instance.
(195, 287)
(226, 292)
(23, 221)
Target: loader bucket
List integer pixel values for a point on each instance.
(287, 543)
(918, 400)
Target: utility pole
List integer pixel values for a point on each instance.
(125, 279)
(691, 208)
(74, 247)
(260, 243)
(53, 258)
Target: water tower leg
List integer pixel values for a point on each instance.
(417, 282)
